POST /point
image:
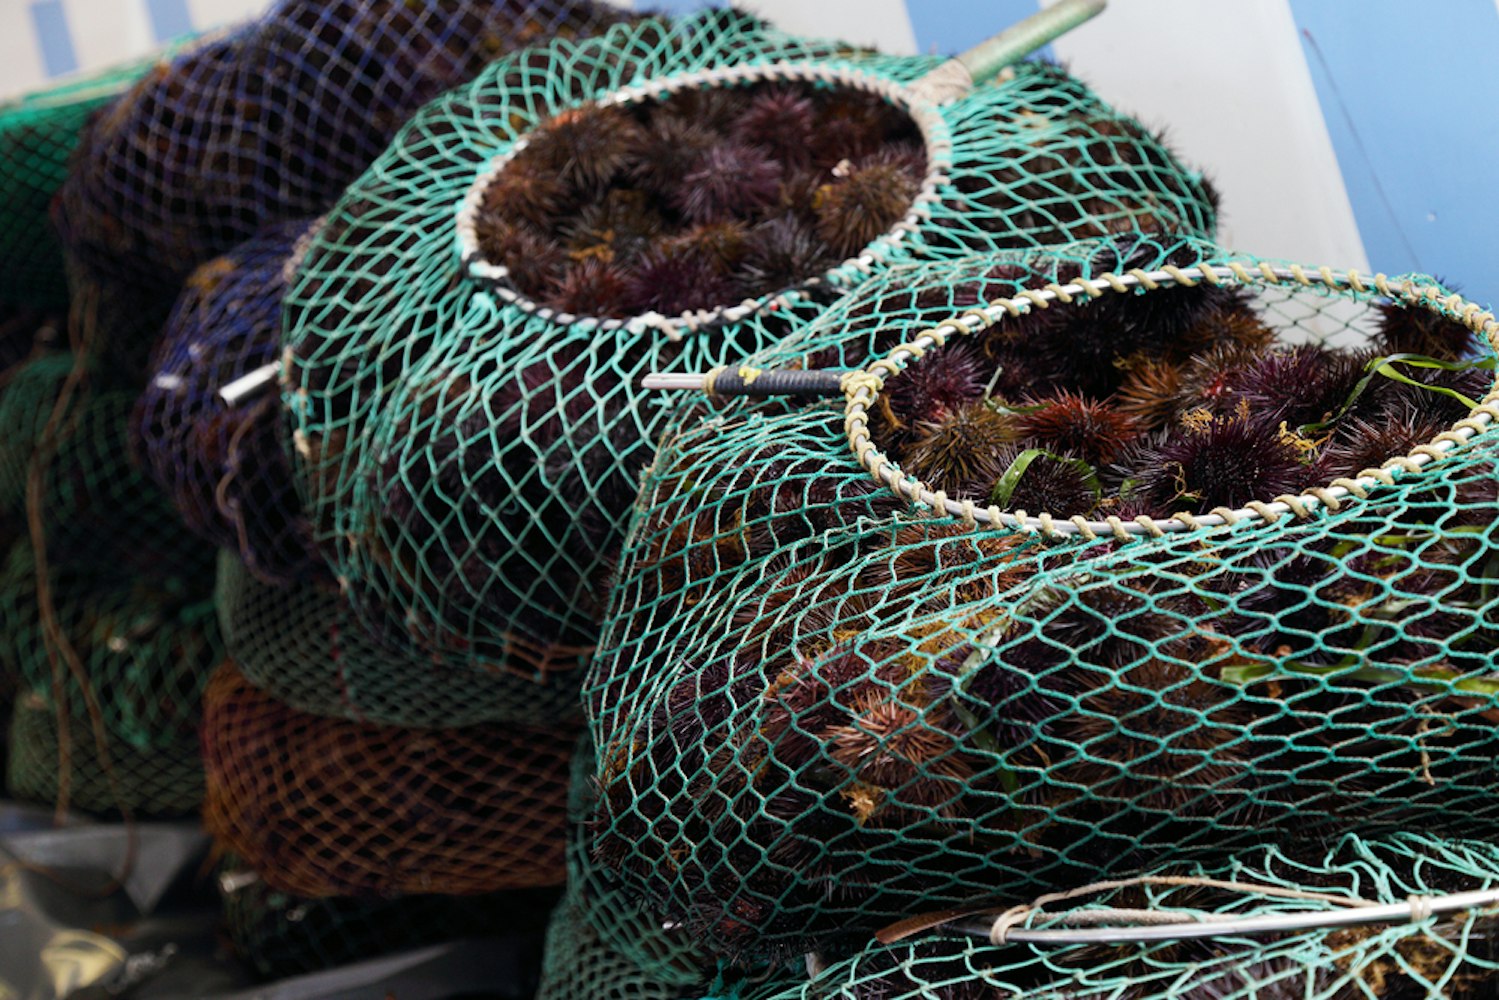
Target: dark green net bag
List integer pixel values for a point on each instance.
(827, 700)
(602, 945)
(468, 453)
(107, 706)
(38, 133)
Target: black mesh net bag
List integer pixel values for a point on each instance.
(278, 934)
(260, 125)
(224, 466)
(1124, 552)
(469, 431)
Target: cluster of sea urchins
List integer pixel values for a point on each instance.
(1174, 400)
(698, 200)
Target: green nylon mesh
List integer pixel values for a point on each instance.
(163, 779)
(38, 132)
(1452, 956)
(821, 708)
(468, 463)
(123, 617)
(302, 644)
(144, 647)
(600, 944)
(95, 505)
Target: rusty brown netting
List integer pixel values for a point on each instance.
(324, 807)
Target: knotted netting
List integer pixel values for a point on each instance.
(602, 945)
(63, 433)
(1449, 954)
(264, 124)
(330, 807)
(302, 644)
(469, 431)
(109, 686)
(224, 466)
(822, 705)
(38, 133)
(278, 934)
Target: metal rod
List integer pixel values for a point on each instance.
(1019, 40)
(746, 381)
(694, 381)
(1413, 910)
(250, 385)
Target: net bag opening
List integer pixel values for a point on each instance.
(704, 197)
(1260, 407)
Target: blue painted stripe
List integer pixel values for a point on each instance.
(169, 19)
(53, 37)
(947, 27)
(1405, 95)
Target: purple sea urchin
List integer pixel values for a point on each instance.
(1220, 461)
(697, 173)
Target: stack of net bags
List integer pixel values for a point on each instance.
(1039, 624)
(366, 786)
(469, 432)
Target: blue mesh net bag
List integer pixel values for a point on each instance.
(465, 334)
(1147, 550)
(225, 466)
(264, 124)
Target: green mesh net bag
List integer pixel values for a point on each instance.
(164, 780)
(666, 196)
(1448, 952)
(302, 644)
(828, 696)
(224, 466)
(261, 125)
(38, 133)
(600, 944)
(278, 934)
(107, 707)
(330, 807)
(63, 432)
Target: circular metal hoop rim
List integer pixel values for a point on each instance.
(862, 387)
(936, 140)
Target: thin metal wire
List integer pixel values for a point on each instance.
(1415, 910)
